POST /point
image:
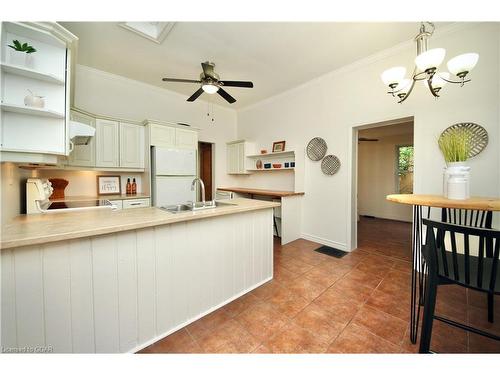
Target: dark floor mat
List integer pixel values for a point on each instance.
(331, 251)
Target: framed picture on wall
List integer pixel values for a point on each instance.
(279, 146)
(107, 185)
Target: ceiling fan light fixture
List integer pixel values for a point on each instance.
(210, 88)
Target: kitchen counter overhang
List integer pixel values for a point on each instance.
(45, 228)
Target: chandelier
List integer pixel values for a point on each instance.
(427, 63)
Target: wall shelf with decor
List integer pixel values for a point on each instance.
(278, 161)
(36, 60)
(282, 154)
(270, 169)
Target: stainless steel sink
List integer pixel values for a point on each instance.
(196, 206)
(177, 208)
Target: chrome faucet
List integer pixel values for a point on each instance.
(202, 188)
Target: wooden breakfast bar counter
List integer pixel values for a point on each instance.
(475, 211)
(288, 213)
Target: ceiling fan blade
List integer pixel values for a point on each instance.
(225, 95)
(195, 96)
(362, 139)
(246, 84)
(180, 80)
(208, 69)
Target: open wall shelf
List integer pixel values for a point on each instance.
(270, 169)
(32, 111)
(31, 73)
(275, 155)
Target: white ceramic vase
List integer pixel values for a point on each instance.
(22, 59)
(456, 181)
(34, 101)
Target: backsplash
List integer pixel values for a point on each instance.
(85, 182)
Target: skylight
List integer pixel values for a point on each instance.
(155, 31)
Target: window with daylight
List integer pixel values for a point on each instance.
(404, 172)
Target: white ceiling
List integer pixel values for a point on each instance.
(275, 56)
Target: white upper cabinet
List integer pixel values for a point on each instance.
(170, 136)
(186, 139)
(83, 155)
(163, 136)
(237, 152)
(107, 143)
(131, 145)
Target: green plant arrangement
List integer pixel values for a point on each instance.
(455, 145)
(25, 47)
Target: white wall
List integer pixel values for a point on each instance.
(116, 96)
(13, 191)
(377, 163)
(332, 105)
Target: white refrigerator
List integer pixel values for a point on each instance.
(172, 172)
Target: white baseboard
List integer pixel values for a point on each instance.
(324, 241)
(182, 325)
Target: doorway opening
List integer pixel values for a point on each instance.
(206, 156)
(385, 154)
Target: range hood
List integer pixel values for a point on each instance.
(79, 133)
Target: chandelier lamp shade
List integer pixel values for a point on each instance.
(427, 64)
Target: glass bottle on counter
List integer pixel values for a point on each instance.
(134, 187)
(128, 188)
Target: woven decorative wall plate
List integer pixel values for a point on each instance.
(316, 149)
(330, 165)
(478, 136)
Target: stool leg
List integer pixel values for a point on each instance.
(276, 227)
(490, 307)
(429, 306)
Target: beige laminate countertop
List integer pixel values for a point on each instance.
(43, 228)
(262, 192)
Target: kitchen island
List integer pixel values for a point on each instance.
(116, 281)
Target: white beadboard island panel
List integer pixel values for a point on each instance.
(120, 292)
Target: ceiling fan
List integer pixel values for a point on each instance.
(211, 83)
(363, 139)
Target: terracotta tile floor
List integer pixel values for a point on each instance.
(320, 304)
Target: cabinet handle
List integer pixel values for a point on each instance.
(135, 204)
(71, 146)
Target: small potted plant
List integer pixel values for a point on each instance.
(455, 146)
(21, 54)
